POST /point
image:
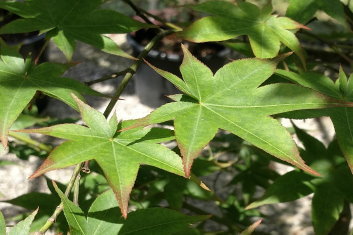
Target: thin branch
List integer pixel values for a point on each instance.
(108, 77)
(76, 189)
(59, 208)
(132, 70)
(138, 11)
(142, 12)
(42, 49)
(331, 45)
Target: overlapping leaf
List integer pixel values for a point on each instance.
(119, 154)
(232, 100)
(19, 81)
(330, 191)
(266, 32)
(71, 20)
(342, 117)
(303, 11)
(102, 218)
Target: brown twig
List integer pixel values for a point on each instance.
(138, 11)
(132, 70)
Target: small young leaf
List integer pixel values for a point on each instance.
(22, 228)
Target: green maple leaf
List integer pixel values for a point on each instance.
(20, 80)
(232, 100)
(119, 154)
(266, 32)
(71, 20)
(342, 117)
(303, 11)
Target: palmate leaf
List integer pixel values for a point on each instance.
(20, 80)
(71, 20)
(119, 154)
(266, 32)
(103, 218)
(342, 117)
(232, 100)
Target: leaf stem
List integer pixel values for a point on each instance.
(60, 207)
(76, 189)
(108, 77)
(30, 141)
(42, 49)
(132, 70)
(138, 11)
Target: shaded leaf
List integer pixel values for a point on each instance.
(70, 21)
(22, 228)
(155, 221)
(266, 32)
(289, 187)
(327, 204)
(19, 81)
(232, 100)
(33, 200)
(119, 154)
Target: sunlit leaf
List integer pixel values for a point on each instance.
(119, 154)
(232, 100)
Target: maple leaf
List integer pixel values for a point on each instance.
(119, 154)
(232, 100)
(266, 32)
(71, 20)
(341, 117)
(19, 81)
